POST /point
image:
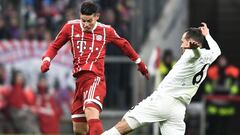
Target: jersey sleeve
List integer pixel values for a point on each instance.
(123, 44)
(59, 41)
(214, 50)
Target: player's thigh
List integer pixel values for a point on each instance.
(174, 125)
(90, 93)
(172, 128)
(94, 93)
(91, 113)
(80, 128)
(155, 108)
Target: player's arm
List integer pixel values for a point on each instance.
(127, 49)
(53, 48)
(214, 48)
(194, 46)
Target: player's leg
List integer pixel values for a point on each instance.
(174, 125)
(123, 127)
(80, 128)
(94, 123)
(152, 109)
(172, 128)
(93, 100)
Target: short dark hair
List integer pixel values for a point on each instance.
(89, 8)
(195, 34)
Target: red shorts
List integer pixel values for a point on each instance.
(90, 92)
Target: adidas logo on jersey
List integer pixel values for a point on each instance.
(97, 97)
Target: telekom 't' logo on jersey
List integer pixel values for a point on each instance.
(81, 45)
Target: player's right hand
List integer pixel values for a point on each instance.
(204, 29)
(143, 69)
(45, 66)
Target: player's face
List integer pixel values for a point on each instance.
(189, 43)
(185, 43)
(89, 21)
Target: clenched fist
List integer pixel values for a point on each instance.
(45, 66)
(143, 69)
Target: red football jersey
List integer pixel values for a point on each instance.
(89, 48)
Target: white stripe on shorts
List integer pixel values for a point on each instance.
(93, 100)
(78, 115)
(93, 88)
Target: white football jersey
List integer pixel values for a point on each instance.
(188, 73)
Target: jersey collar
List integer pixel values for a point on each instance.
(95, 26)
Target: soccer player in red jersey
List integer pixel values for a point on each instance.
(88, 39)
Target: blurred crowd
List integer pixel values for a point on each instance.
(32, 110)
(40, 109)
(42, 19)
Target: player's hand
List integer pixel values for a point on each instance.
(193, 44)
(143, 69)
(204, 29)
(45, 66)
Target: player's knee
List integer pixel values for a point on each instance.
(91, 113)
(90, 109)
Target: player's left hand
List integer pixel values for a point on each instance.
(193, 44)
(143, 69)
(45, 66)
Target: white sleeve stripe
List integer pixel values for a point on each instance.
(58, 34)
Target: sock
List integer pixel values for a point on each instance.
(95, 127)
(112, 131)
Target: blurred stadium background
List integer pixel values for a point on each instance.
(154, 27)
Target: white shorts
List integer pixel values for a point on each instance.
(166, 110)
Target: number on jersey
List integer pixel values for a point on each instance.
(199, 76)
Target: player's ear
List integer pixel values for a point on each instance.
(97, 15)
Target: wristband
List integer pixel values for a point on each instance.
(138, 61)
(47, 58)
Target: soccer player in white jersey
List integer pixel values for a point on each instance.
(167, 104)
